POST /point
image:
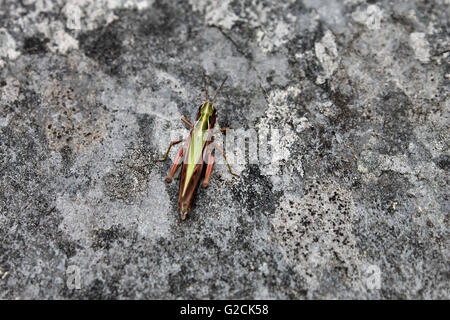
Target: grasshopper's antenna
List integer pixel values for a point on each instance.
(205, 86)
(220, 88)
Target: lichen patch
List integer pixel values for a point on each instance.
(74, 125)
(315, 232)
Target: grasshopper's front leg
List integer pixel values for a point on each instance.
(186, 121)
(168, 149)
(212, 132)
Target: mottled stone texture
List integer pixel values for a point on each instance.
(89, 90)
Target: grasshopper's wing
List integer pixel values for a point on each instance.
(194, 156)
(186, 194)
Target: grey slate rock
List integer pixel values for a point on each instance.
(89, 90)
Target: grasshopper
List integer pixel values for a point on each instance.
(198, 151)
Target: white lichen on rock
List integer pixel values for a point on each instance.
(275, 38)
(7, 47)
(61, 42)
(276, 119)
(87, 15)
(371, 17)
(216, 14)
(327, 53)
(420, 45)
(10, 92)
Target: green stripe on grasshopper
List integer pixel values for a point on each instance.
(198, 141)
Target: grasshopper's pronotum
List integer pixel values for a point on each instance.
(198, 150)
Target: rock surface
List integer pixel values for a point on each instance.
(356, 207)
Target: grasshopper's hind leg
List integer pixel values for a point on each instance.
(209, 167)
(225, 157)
(176, 164)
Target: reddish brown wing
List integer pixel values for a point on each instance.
(186, 197)
(185, 200)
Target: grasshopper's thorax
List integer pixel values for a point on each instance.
(206, 111)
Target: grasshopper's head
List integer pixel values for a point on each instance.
(207, 109)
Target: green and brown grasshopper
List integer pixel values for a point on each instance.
(198, 152)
